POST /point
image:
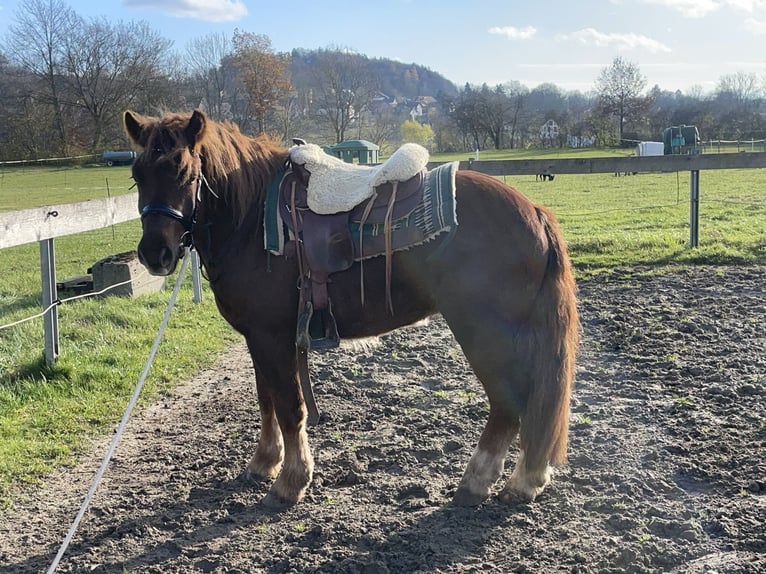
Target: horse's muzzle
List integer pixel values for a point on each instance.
(159, 261)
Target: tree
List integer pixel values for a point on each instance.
(344, 87)
(738, 98)
(106, 66)
(466, 113)
(204, 60)
(619, 88)
(262, 72)
(495, 111)
(37, 39)
(415, 132)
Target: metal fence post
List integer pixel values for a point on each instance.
(694, 209)
(49, 293)
(196, 284)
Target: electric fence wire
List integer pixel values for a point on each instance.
(123, 423)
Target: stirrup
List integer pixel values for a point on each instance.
(322, 329)
(316, 331)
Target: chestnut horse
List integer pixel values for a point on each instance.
(503, 283)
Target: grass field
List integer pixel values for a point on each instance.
(47, 412)
(22, 187)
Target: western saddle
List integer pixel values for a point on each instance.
(319, 199)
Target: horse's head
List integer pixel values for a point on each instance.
(168, 174)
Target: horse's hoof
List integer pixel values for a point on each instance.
(510, 496)
(257, 473)
(525, 486)
(465, 497)
(273, 501)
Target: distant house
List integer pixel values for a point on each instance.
(579, 141)
(549, 133)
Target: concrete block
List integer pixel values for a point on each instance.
(124, 268)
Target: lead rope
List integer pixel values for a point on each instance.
(118, 433)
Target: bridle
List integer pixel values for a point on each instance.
(188, 222)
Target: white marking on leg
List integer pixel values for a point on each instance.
(267, 459)
(482, 472)
(297, 470)
(526, 485)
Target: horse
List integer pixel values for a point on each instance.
(502, 280)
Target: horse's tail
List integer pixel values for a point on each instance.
(545, 423)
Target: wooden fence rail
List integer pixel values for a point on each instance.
(44, 224)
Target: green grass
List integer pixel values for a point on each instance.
(47, 413)
(644, 219)
(24, 187)
(610, 221)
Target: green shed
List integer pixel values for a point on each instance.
(681, 139)
(350, 150)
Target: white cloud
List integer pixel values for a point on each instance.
(513, 32)
(746, 5)
(207, 10)
(755, 26)
(691, 8)
(592, 37)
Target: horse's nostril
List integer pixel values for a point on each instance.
(141, 257)
(166, 258)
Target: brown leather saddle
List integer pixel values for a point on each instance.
(327, 245)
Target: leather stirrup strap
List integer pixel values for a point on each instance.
(387, 230)
(305, 380)
(302, 355)
(362, 221)
(298, 250)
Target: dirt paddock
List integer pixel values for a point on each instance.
(666, 473)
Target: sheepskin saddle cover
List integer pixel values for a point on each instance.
(334, 186)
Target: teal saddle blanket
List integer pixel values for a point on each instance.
(432, 213)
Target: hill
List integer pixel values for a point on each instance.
(396, 80)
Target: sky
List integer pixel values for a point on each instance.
(683, 45)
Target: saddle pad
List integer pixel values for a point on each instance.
(335, 186)
(434, 214)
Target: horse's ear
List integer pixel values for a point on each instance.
(195, 131)
(135, 127)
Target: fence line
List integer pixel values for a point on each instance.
(49, 159)
(43, 224)
(69, 299)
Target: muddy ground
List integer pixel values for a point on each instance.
(667, 468)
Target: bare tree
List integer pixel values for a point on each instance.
(262, 72)
(106, 66)
(344, 87)
(738, 99)
(620, 89)
(205, 58)
(37, 38)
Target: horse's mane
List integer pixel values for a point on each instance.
(237, 167)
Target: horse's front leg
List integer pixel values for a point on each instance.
(267, 460)
(278, 372)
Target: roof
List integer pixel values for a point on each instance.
(355, 144)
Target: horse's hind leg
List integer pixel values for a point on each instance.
(267, 460)
(486, 464)
(527, 480)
